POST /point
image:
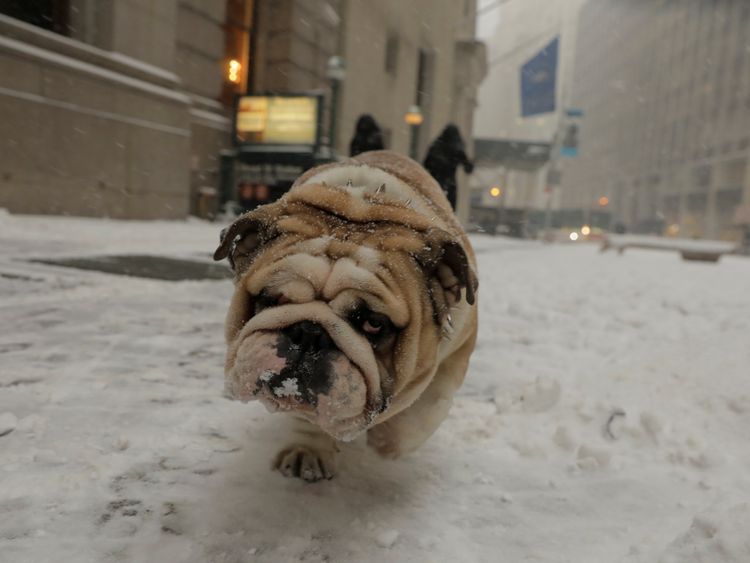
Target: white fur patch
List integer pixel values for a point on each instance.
(368, 258)
(297, 291)
(358, 180)
(348, 275)
(302, 273)
(314, 246)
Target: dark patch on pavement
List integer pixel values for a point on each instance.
(145, 266)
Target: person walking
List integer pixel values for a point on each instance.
(443, 157)
(367, 136)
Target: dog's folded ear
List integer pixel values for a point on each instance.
(454, 262)
(241, 241)
(445, 262)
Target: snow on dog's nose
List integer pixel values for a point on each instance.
(299, 368)
(308, 351)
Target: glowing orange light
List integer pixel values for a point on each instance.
(233, 71)
(413, 118)
(495, 191)
(604, 201)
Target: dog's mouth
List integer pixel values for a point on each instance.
(299, 368)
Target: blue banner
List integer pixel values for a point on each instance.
(538, 77)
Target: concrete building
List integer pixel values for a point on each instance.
(120, 108)
(400, 53)
(109, 108)
(522, 30)
(396, 53)
(665, 90)
(294, 41)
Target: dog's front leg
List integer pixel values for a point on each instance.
(311, 453)
(409, 429)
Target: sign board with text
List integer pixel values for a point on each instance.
(278, 120)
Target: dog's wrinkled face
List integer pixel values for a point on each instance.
(323, 318)
(334, 323)
(318, 336)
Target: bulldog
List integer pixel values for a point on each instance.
(354, 309)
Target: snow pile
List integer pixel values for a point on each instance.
(719, 534)
(664, 243)
(604, 417)
(387, 538)
(8, 423)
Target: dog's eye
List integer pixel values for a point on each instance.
(264, 300)
(373, 326)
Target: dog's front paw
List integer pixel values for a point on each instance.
(384, 440)
(306, 463)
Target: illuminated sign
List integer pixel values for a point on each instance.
(277, 120)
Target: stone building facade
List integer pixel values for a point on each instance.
(665, 136)
(111, 110)
(120, 108)
(396, 52)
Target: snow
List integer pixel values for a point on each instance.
(210, 119)
(89, 69)
(288, 388)
(8, 423)
(604, 417)
(36, 98)
(663, 243)
(718, 534)
(266, 376)
(55, 42)
(387, 538)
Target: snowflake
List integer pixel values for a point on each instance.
(288, 388)
(266, 376)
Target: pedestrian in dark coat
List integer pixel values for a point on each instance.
(367, 136)
(445, 154)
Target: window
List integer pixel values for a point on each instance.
(391, 54)
(237, 47)
(53, 15)
(422, 70)
(702, 176)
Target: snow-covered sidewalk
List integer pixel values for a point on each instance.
(605, 417)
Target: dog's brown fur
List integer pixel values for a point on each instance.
(397, 247)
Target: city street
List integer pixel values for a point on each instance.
(604, 417)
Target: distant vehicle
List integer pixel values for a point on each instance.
(506, 221)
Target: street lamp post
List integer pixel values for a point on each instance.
(414, 119)
(335, 72)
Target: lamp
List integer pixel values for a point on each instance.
(414, 118)
(335, 72)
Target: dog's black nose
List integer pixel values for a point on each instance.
(309, 336)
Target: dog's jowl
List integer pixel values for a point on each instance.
(354, 309)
